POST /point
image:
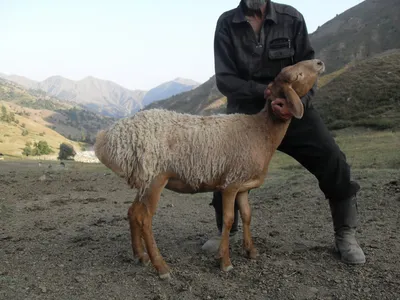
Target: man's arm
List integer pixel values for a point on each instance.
(228, 81)
(303, 51)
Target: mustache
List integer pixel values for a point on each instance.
(254, 4)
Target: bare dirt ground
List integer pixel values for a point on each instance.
(66, 236)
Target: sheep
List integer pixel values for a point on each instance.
(156, 149)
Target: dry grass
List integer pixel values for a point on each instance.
(12, 141)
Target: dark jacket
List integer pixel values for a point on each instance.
(244, 65)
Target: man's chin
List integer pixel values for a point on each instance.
(254, 4)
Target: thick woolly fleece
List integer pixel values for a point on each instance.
(198, 149)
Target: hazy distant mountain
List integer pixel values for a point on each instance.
(196, 101)
(103, 96)
(168, 89)
(21, 80)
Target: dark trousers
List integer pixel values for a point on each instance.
(310, 143)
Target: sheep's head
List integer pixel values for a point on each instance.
(294, 82)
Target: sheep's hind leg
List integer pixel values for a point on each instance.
(228, 204)
(150, 201)
(245, 213)
(136, 224)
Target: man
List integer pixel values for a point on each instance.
(252, 44)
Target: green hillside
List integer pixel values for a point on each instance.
(366, 94)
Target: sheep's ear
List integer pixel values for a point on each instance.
(295, 105)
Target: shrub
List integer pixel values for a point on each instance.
(39, 148)
(66, 151)
(339, 124)
(377, 123)
(27, 151)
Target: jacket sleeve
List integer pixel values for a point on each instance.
(227, 76)
(303, 51)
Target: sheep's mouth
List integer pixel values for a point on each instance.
(321, 69)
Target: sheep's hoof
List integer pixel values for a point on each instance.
(166, 276)
(227, 268)
(144, 260)
(252, 254)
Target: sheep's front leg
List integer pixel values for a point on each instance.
(136, 224)
(150, 201)
(228, 204)
(245, 214)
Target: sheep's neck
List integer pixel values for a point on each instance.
(276, 128)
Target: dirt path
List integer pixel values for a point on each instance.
(66, 236)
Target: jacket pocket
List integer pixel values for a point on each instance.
(280, 48)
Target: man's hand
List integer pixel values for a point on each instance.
(279, 106)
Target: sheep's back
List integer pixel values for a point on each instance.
(196, 148)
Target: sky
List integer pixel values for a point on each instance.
(138, 44)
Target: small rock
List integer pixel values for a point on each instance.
(78, 279)
(42, 178)
(6, 237)
(296, 195)
(314, 290)
(170, 205)
(274, 233)
(43, 288)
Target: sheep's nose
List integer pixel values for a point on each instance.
(320, 63)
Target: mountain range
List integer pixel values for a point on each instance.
(361, 48)
(358, 33)
(103, 96)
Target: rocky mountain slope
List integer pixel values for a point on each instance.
(362, 31)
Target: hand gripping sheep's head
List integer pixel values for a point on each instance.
(294, 82)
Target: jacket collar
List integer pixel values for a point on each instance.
(239, 16)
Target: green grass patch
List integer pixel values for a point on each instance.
(363, 149)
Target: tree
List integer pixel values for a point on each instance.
(42, 148)
(3, 112)
(27, 150)
(66, 151)
(4, 115)
(39, 148)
